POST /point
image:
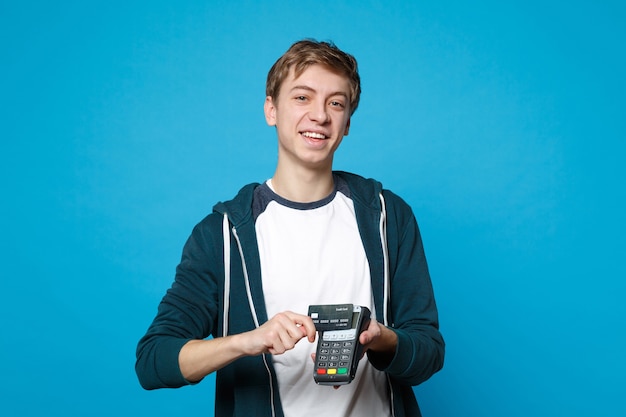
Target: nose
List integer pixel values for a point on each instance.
(319, 112)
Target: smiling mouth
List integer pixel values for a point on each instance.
(314, 135)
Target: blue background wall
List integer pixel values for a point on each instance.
(502, 125)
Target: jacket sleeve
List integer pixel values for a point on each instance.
(189, 310)
(413, 312)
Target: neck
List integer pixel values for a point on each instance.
(304, 186)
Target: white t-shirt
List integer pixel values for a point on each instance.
(312, 254)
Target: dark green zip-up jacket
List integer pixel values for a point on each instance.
(194, 308)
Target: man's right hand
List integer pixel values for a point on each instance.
(280, 333)
(198, 358)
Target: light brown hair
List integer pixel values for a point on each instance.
(305, 53)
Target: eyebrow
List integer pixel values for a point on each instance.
(307, 88)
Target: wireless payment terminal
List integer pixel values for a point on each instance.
(338, 349)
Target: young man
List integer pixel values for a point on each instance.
(307, 236)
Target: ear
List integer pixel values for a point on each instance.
(270, 111)
(345, 133)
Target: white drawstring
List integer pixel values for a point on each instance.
(246, 279)
(226, 233)
(386, 284)
(383, 240)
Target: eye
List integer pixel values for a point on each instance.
(338, 104)
(300, 98)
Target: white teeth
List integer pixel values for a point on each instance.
(314, 135)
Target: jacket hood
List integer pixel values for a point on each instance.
(239, 209)
(364, 190)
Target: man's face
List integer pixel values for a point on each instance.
(311, 116)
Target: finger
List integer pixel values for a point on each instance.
(290, 326)
(293, 331)
(365, 338)
(280, 335)
(305, 324)
(289, 337)
(277, 347)
(369, 334)
(309, 329)
(302, 328)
